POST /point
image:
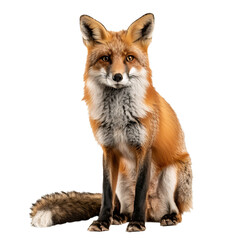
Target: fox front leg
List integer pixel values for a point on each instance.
(110, 173)
(138, 218)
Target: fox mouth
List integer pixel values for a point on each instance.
(119, 85)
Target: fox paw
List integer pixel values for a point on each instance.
(169, 220)
(99, 226)
(119, 219)
(136, 227)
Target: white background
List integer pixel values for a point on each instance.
(46, 143)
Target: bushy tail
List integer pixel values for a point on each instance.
(58, 208)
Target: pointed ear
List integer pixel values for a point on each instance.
(141, 30)
(92, 30)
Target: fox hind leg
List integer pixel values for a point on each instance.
(175, 184)
(118, 217)
(169, 214)
(183, 194)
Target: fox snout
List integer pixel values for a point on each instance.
(117, 77)
(117, 80)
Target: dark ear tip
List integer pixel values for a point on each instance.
(150, 15)
(84, 16)
(81, 18)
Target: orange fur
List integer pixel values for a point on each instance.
(144, 155)
(168, 144)
(164, 135)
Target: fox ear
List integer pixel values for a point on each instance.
(92, 30)
(141, 30)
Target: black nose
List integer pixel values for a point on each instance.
(117, 77)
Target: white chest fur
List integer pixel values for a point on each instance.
(118, 111)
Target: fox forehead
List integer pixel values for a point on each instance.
(116, 45)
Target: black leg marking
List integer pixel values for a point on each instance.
(138, 217)
(106, 212)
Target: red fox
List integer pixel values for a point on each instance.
(147, 172)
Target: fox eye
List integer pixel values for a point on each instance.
(105, 58)
(129, 58)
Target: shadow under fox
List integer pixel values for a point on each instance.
(146, 168)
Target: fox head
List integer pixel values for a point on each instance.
(117, 59)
